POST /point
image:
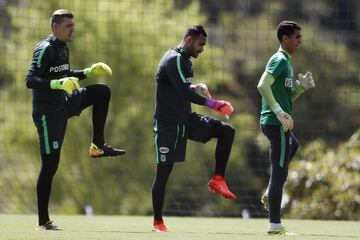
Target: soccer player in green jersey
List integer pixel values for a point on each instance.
(279, 90)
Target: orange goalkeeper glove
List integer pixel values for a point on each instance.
(222, 107)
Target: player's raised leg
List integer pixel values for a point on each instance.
(225, 135)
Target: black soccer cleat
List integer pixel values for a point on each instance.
(48, 226)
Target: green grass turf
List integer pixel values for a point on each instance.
(135, 228)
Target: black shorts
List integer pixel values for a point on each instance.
(171, 138)
(51, 127)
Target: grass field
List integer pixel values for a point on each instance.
(184, 228)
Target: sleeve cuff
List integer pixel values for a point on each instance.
(87, 72)
(276, 109)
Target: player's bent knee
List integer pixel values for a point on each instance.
(99, 90)
(105, 90)
(229, 131)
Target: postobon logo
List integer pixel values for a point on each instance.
(60, 68)
(164, 150)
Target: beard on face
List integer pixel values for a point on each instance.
(192, 51)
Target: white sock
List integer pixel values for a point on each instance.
(274, 225)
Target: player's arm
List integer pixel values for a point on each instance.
(175, 68)
(39, 64)
(77, 73)
(97, 69)
(94, 70)
(264, 87)
(201, 89)
(303, 83)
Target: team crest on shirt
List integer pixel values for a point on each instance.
(288, 83)
(163, 150)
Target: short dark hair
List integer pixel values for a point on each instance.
(195, 31)
(59, 15)
(287, 28)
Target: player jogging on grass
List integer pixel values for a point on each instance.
(174, 122)
(279, 89)
(57, 96)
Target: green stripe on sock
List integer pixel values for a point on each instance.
(282, 147)
(46, 135)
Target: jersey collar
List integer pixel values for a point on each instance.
(56, 41)
(286, 53)
(181, 50)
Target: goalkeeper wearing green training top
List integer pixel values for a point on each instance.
(279, 89)
(57, 96)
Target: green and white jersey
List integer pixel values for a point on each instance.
(279, 65)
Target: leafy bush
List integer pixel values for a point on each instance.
(325, 182)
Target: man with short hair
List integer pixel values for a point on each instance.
(174, 122)
(279, 89)
(57, 96)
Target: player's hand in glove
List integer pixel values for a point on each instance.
(286, 121)
(284, 118)
(67, 84)
(98, 69)
(222, 107)
(202, 90)
(306, 80)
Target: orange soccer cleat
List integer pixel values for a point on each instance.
(159, 226)
(217, 184)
